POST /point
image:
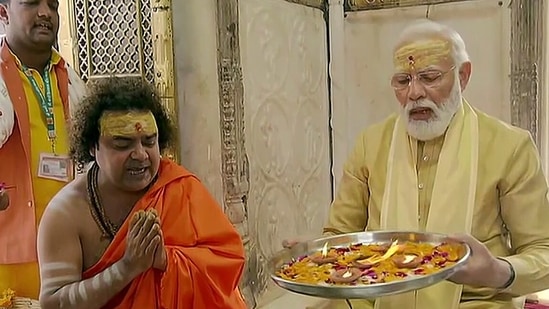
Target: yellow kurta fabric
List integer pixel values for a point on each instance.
(511, 187)
(452, 196)
(24, 278)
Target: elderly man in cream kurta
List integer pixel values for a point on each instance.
(443, 166)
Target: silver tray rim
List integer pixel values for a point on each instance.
(363, 291)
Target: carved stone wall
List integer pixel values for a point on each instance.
(235, 168)
(277, 174)
(527, 47)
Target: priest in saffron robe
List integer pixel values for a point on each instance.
(137, 231)
(443, 166)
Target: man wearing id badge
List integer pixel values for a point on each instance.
(36, 89)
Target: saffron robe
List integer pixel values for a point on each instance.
(484, 177)
(205, 252)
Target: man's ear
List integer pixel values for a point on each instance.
(464, 75)
(4, 13)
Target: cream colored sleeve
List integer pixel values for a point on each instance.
(525, 210)
(348, 212)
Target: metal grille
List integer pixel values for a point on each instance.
(114, 38)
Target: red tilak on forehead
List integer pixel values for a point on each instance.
(411, 61)
(138, 127)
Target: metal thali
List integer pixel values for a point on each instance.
(370, 291)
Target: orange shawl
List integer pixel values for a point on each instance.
(18, 222)
(205, 253)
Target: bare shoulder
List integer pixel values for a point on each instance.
(69, 203)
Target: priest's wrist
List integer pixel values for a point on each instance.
(504, 274)
(162, 262)
(126, 270)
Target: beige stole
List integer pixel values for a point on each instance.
(452, 202)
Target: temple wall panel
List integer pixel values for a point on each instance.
(284, 65)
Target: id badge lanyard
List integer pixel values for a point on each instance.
(46, 101)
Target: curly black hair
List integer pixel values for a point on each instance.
(115, 94)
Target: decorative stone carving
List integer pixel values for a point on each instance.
(283, 190)
(235, 170)
(284, 62)
(527, 46)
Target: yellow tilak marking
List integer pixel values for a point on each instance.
(421, 54)
(127, 123)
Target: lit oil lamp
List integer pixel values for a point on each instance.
(324, 256)
(364, 263)
(346, 275)
(374, 260)
(395, 248)
(407, 260)
(381, 248)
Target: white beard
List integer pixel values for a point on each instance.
(441, 115)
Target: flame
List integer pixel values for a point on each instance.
(392, 250)
(324, 250)
(347, 274)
